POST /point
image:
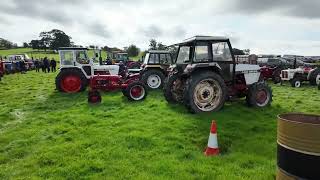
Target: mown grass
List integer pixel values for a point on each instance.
(46, 134)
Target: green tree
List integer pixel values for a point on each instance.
(59, 39)
(5, 44)
(35, 44)
(133, 50)
(237, 51)
(161, 46)
(25, 45)
(153, 44)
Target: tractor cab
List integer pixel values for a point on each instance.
(118, 56)
(206, 52)
(78, 58)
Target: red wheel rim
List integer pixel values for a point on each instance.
(136, 91)
(261, 97)
(94, 99)
(71, 84)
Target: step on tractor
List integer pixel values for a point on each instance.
(77, 72)
(154, 68)
(299, 75)
(119, 56)
(205, 75)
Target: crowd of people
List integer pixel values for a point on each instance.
(45, 65)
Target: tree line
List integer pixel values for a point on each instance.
(52, 40)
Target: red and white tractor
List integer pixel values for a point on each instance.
(299, 75)
(205, 75)
(77, 71)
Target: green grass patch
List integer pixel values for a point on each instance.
(46, 134)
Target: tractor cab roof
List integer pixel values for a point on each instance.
(202, 38)
(159, 51)
(72, 48)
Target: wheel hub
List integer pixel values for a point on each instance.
(71, 84)
(137, 92)
(261, 97)
(207, 95)
(154, 81)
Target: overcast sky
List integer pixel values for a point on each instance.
(265, 27)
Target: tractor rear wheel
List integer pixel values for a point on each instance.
(153, 79)
(173, 89)
(136, 91)
(296, 82)
(94, 97)
(71, 81)
(205, 92)
(259, 95)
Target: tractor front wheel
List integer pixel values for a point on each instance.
(71, 81)
(173, 89)
(136, 91)
(94, 97)
(296, 82)
(259, 95)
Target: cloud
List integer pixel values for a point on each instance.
(51, 10)
(152, 31)
(294, 8)
(99, 30)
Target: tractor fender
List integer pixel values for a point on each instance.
(199, 69)
(74, 68)
(154, 68)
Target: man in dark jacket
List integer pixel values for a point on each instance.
(37, 65)
(53, 65)
(46, 64)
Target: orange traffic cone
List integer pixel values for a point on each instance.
(212, 149)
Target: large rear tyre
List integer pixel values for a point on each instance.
(205, 92)
(173, 90)
(71, 81)
(259, 95)
(153, 79)
(136, 91)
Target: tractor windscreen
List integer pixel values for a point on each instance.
(183, 55)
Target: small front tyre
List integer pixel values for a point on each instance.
(94, 97)
(296, 83)
(259, 95)
(136, 91)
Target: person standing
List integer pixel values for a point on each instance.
(53, 65)
(37, 65)
(46, 65)
(42, 65)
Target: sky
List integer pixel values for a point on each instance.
(264, 26)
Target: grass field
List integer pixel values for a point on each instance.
(46, 134)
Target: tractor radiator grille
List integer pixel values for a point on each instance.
(284, 74)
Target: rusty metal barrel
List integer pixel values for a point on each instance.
(298, 146)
